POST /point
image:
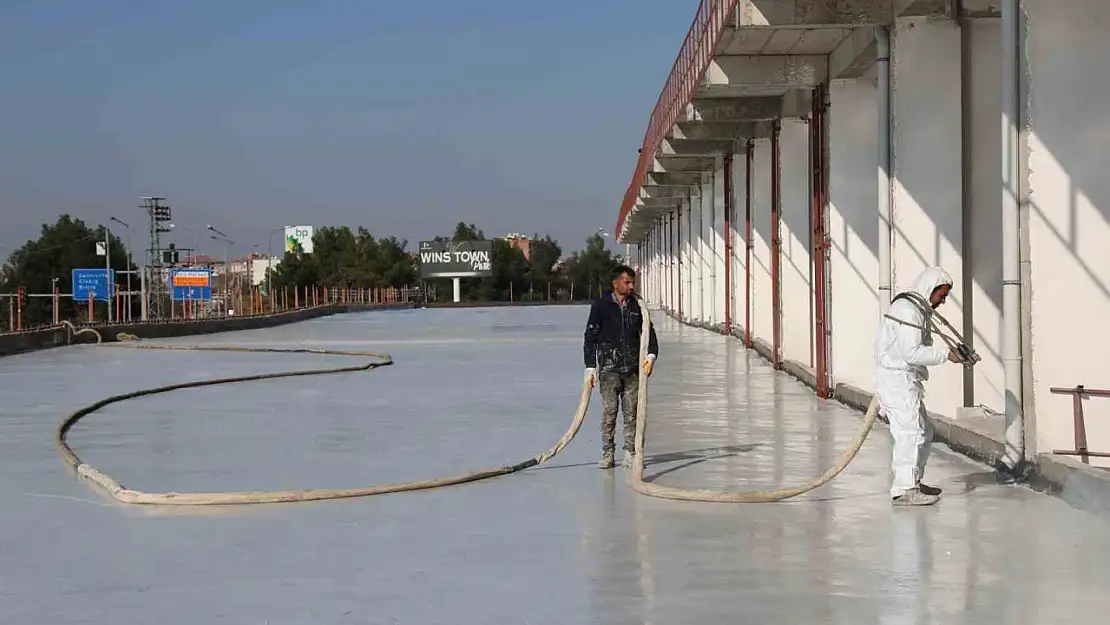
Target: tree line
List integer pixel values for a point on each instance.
(341, 257)
(355, 259)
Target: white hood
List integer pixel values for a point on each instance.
(929, 280)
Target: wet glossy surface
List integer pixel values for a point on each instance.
(563, 544)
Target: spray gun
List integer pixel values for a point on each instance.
(968, 356)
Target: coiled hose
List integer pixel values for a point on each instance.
(636, 477)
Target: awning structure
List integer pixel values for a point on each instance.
(743, 64)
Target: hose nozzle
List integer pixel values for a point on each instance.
(968, 356)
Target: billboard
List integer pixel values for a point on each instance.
(191, 284)
(95, 280)
(456, 259)
(298, 234)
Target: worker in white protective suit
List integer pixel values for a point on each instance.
(903, 351)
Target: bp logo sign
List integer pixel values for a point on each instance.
(298, 235)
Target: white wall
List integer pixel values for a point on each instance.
(739, 228)
(1069, 224)
(983, 254)
(927, 201)
(718, 234)
(853, 230)
(794, 232)
(761, 241)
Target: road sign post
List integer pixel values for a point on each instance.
(191, 285)
(95, 284)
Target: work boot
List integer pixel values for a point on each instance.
(627, 462)
(606, 461)
(929, 490)
(914, 497)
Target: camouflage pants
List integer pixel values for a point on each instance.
(622, 389)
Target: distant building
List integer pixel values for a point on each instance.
(521, 242)
(253, 265)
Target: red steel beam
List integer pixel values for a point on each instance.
(748, 244)
(776, 250)
(820, 239)
(728, 243)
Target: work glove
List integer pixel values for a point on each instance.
(591, 376)
(648, 362)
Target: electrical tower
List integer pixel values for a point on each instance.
(157, 289)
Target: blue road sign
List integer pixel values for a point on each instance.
(191, 284)
(96, 280)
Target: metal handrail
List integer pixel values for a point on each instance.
(1079, 422)
(688, 69)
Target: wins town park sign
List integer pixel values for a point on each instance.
(461, 259)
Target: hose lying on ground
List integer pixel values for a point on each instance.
(636, 477)
(125, 495)
(73, 331)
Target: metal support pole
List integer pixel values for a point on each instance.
(882, 39)
(820, 241)
(776, 247)
(1011, 235)
(728, 241)
(108, 269)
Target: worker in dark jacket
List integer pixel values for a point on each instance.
(612, 350)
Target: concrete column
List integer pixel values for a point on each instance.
(761, 241)
(853, 231)
(674, 286)
(718, 230)
(695, 258)
(665, 251)
(672, 258)
(796, 268)
(680, 268)
(688, 266)
(697, 232)
(709, 278)
(655, 260)
(928, 199)
(739, 227)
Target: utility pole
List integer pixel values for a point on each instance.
(227, 269)
(108, 268)
(155, 293)
(130, 295)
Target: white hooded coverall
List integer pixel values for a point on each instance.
(902, 354)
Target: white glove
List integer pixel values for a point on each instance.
(591, 375)
(649, 362)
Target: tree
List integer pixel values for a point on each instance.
(543, 254)
(345, 259)
(591, 268)
(63, 246)
(467, 232)
(341, 257)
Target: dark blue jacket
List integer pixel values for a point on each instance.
(612, 339)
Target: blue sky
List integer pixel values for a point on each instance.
(404, 117)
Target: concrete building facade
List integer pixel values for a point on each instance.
(808, 158)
